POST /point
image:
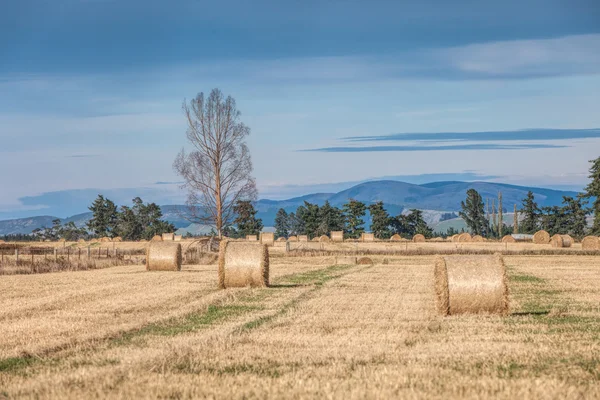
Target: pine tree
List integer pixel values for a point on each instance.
(473, 213)
(310, 219)
(282, 224)
(515, 220)
(531, 214)
(380, 221)
(574, 213)
(410, 224)
(330, 219)
(500, 220)
(354, 211)
(246, 221)
(593, 191)
(104, 219)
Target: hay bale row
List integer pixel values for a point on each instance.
(541, 237)
(464, 237)
(590, 243)
(243, 264)
(478, 239)
(418, 238)
(105, 240)
(471, 284)
(337, 236)
(163, 256)
(561, 241)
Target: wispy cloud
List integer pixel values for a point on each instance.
(83, 156)
(348, 149)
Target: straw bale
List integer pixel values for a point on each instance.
(541, 237)
(168, 237)
(302, 238)
(454, 238)
(105, 239)
(471, 284)
(251, 238)
(324, 239)
(590, 243)
(267, 238)
(157, 238)
(437, 239)
(364, 261)
(345, 260)
(293, 239)
(163, 256)
(418, 238)
(337, 236)
(281, 239)
(178, 238)
(464, 237)
(561, 241)
(243, 264)
(81, 241)
(508, 239)
(118, 239)
(396, 238)
(367, 237)
(477, 238)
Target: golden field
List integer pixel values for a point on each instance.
(319, 331)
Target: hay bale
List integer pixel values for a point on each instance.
(281, 239)
(315, 239)
(464, 237)
(293, 239)
(302, 238)
(364, 261)
(437, 239)
(178, 238)
(541, 237)
(163, 256)
(337, 236)
(168, 237)
(345, 260)
(478, 239)
(267, 238)
(118, 239)
(471, 284)
(81, 241)
(561, 241)
(418, 238)
(590, 243)
(105, 240)
(508, 239)
(396, 238)
(156, 238)
(243, 264)
(367, 237)
(251, 238)
(454, 238)
(324, 239)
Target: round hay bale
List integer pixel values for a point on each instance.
(337, 236)
(471, 284)
(478, 238)
(243, 264)
(168, 237)
(281, 239)
(418, 238)
(81, 241)
(364, 261)
(464, 237)
(561, 241)
(454, 238)
(590, 243)
(267, 238)
(178, 238)
(437, 239)
(315, 239)
(118, 239)
(303, 238)
(163, 256)
(541, 237)
(156, 238)
(508, 239)
(367, 237)
(105, 240)
(396, 238)
(324, 239)
(293, 239)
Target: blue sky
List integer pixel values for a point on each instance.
(334, 92)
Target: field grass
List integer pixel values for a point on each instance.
(320, 331)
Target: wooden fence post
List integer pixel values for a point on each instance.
(55, 254)
(89, 252)
(17, 254)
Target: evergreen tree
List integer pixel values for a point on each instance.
(104, 219)
(552, 220)
(71, 233)
(298, 221)
(531, 214)
(593, 191)
(310, 219)
(473, 213)
(410, 224)
(574, 213)
(246, 221)
(330, 219)
(354, 211)
(282, 224)
(380, 221)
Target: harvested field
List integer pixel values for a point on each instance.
(321, 331)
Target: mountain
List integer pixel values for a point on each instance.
(435, 198)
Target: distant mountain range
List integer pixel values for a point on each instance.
(436, 198)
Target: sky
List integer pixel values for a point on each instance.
(335, 92)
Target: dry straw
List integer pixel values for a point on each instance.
(105, 239)
(464, 237)
(178, 238)
(302, 238)
(364, 261)
(118, 239)
(345, 260)
(471, 284)
(157, 238)
(367, 237)
(81, 241)
(541, 237)
(396, 238)
(590, 243)
(454, 238)
(293, 239)
(508, 239)
(267, 238)
(324, 239)
(168, 237)
(337, 236)
(163, 256)
(561, 241)
(251, 238)
(477, 238)
(243, 264)
(418, 238)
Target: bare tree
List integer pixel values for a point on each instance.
(217, 173)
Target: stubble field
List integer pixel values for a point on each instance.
(321, 330)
